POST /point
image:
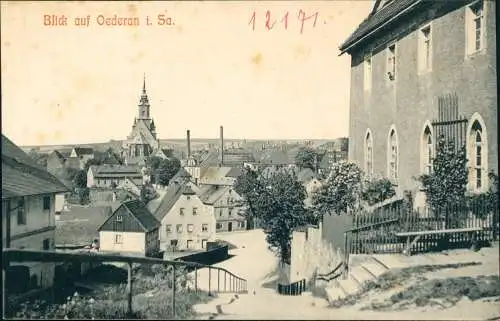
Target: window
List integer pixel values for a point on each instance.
(118, 239)
(204, 243)
(393, 156)
(368, 72)
(425, 49)
(369, 154)
(181, 211)
(427, 150)
(46, 244)
(168, 228)
(21, 212)
(477, 155)
(204, 227)
(391, 62)
(46, 203)
(174, 242)
(219, 226)
(188, 197)
(190, 228)
(179, 228)
(189, 244)
(119, 218)
(195, 211)
(475, 27)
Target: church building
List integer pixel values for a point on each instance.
(142, 141)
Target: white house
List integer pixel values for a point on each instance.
(186, 223)
(131, 229)
(28, 215)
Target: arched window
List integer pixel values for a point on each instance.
(427, 150)
(369, 154)
(392, 156)
(477, 154)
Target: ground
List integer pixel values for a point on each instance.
(253, 261)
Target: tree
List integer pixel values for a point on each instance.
(167, 169)
(147, 193)
(80, 179)
(96, 161)
(447, 184)
(340, 192)
(307, 158)
(377, 191)
(248, 187)
(278, 202)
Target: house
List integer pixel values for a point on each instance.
(227, 206)
(55, 162)
(421, 70)
(217, 175)
(131, 229)
(79, 157)
(142, 140)
(107, 176)
(28, 215)
(186, 223)
(131, 184)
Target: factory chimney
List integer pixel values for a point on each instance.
(188, 137)
(221, 146)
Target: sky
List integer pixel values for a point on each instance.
(211, 66)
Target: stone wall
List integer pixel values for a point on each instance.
(310, 253)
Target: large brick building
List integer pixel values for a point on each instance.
(420, 69)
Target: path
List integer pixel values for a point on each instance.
(253, 261)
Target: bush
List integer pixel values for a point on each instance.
(377, 191)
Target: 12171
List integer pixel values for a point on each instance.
(270, 20)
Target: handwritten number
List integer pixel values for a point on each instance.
(252, 21)
(268, 20)
(303, 18)
(285, 20)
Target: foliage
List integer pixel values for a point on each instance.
(83, 195)
(377, 191)
(481, 205)
(247, 185)
(148, 193)
(307, 158)
(278, 202)
(340, 192)
(80, 179)
(447, 184)
(162, 170)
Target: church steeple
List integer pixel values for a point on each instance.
(144, 102)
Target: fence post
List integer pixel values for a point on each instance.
(173, 290)
(196, 279)
(346, 256)
(209, 280)
(129, 288)
(225, 277)
(5, 301)
(218, 280)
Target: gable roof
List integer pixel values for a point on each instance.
(140, 212)
(57, 155)
(83, 151)
(378, 18)
(172, 195)
(214, 174)
(116, 171)
(211, 194)
(22, 177)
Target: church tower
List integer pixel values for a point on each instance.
(144, 103)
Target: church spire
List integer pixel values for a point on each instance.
(144, 102)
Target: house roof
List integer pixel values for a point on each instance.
(115, 170)
(277, 157)
(83, 151)
(139, 210)
(22, 177)
(376, 19)
(215, 174)
(210, 194)
(173, 193)
(57, 155)
(181, 173)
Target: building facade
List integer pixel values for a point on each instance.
(186, 223)
(107, 176)
(28, 214)
(131, 229)
(226, 205)
(419, 70)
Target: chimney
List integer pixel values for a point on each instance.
(188, 137)
(221, 145)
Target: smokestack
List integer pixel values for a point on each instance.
(221, 145)
(188, 137)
